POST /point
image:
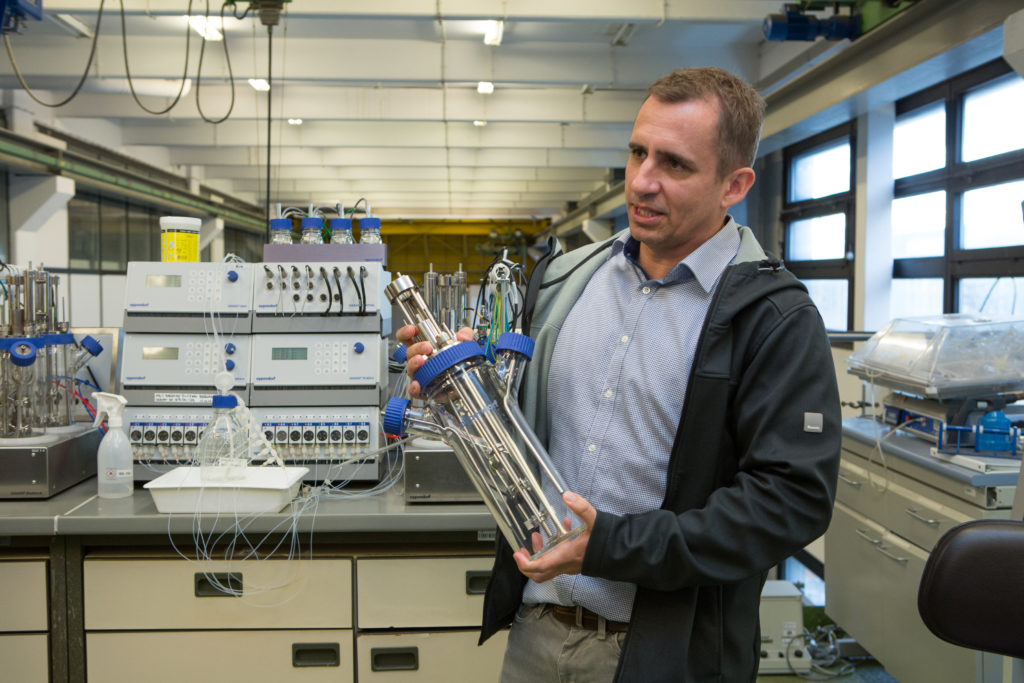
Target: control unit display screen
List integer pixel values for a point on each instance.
(285, 353)
(159, 353)
(163, 281)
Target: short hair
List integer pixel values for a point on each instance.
(741, 110)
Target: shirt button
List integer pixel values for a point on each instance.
(625, 338)
(591, 448)
(646, 290)
(609, 393)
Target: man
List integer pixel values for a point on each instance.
(684, 387)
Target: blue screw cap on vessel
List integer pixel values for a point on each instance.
(340, 224)
(312, 222)
(23, 354)
(369, 223)
(280, 223)
(225, 401)
(91, 345)
(400, 354)
(394, 415)
(513, 341)
(445, 359)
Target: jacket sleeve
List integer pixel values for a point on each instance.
(773, 499)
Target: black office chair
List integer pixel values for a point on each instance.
(972, 588)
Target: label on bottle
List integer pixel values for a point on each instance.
(198, 399)
(113, 474)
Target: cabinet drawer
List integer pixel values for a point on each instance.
(176, 656)
(447, 656)
(421, 592)
(918, 519)
(176, 594)
(860, 491)
(23, 595)
(25, 657)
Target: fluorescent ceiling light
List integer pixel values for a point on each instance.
(154, 87)
(294, 122)
(259, 84)
(479, 124)
(485, 87)
(210, 30)
(71, 25)
(493, 31)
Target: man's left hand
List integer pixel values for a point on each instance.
(567, 557)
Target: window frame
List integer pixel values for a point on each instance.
(956, 178)
(842, 202)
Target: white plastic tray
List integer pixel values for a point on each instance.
(264, 489)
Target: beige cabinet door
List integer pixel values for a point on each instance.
(439, 657)
(430, 592)
(23, 595)
(306, 656)
(24, 658)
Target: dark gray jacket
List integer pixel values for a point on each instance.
(748, 485)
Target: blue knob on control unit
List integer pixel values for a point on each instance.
(232, 276)
(229, 364)
(229, 348)
(359, 347)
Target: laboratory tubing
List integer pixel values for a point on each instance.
(224, 445)
(114, 468)
(311, 230)
(179, 239)
(369, 231)
(474, 409)
(280, 230)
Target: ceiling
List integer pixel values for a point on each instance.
(387, 94)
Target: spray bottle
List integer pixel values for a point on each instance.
(114, 464)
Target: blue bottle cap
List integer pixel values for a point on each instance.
(372, 223)
(23, 354)
(91, 345)
(225, 401)
(312, 222)
(280, 223)
(394, 415)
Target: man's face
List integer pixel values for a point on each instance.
(675, 199)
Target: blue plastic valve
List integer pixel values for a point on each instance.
(229, 364)
(359, 347)
(229, 348)
(232, 276)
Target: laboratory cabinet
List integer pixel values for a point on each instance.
(891, 509)
(433, 656)
(24, 621)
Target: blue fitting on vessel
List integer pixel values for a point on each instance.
(91, 345)
(65, 338)
(514, 341)
(23, 357)
(225, 401)
(994, 432)
(281, 224)
(399, 356)
(371, 223)
(445, 359)
(340, 224)
(8, 343)
(394, 416)
(311, 222)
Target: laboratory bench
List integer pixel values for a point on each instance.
(377, 590)
(894, 500)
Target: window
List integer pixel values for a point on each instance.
(958, 225)
(817, 217)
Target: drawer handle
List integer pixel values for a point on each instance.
(864, 534)
(894, 558)
(930, 522)
(316, 654)
(476, 582)
(850, 482)
(395, 659)
(222, 585)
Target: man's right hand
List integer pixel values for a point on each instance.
(416, 354)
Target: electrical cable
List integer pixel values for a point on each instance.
(355, 285)
(85, 74)
(362, 290)
(361, 200)
(227, 58)
(341, 296)
(330, 296)
(128, 71)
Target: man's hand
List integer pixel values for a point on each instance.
(566, 558)
(416, 354)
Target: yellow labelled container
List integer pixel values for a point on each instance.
(179, 238)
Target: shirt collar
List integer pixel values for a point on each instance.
(705, 264)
